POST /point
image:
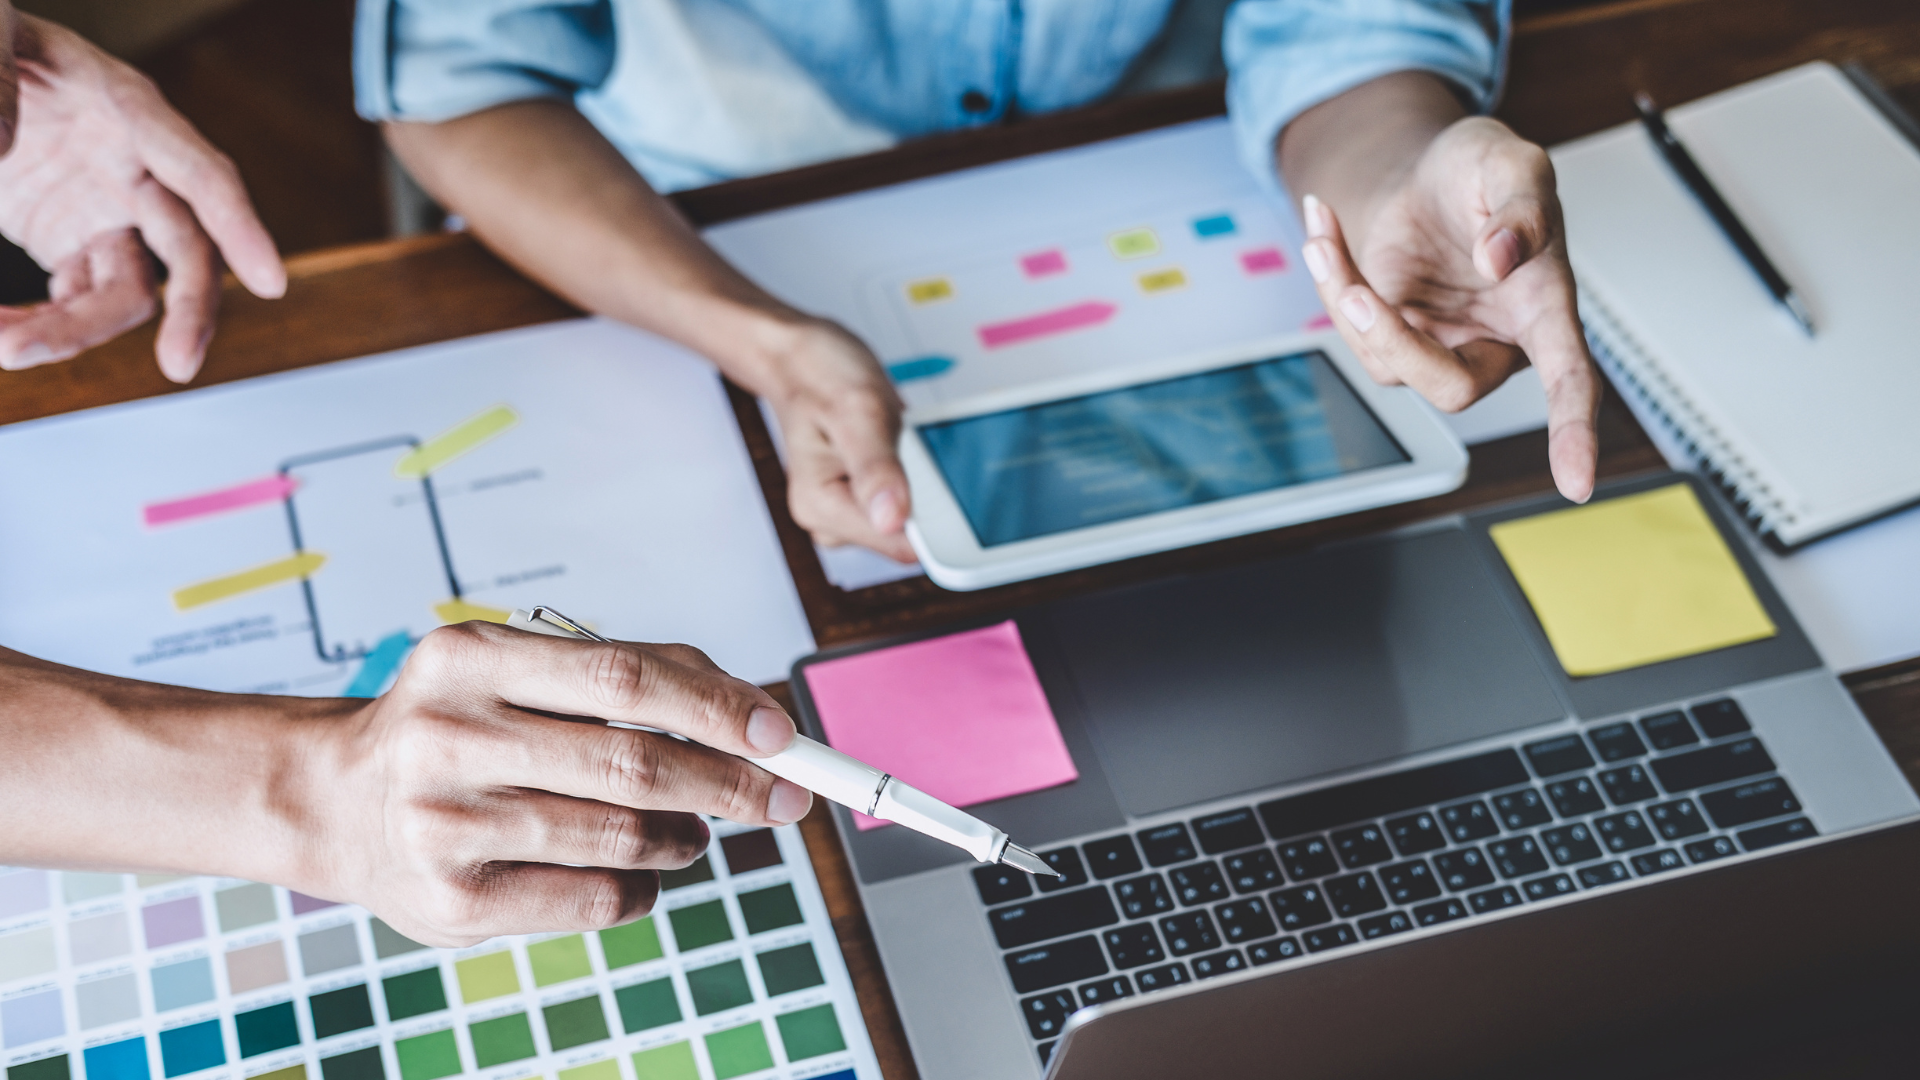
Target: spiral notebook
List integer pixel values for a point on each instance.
(1811, 435)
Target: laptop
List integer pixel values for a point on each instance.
(1344, 814)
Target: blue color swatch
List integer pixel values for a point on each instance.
(176, 986)
(192, 1048)
(1216, 225)
(124, 1060)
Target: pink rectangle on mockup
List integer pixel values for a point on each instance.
(172, 921)
(1044, 263)
(237, 497)
(1058, 321)
(1321, 321)
(1267, 260)
(961, 717)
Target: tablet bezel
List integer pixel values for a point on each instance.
(955, 559)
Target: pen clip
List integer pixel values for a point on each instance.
(553, 618)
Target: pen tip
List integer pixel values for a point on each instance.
(1644, 102)
(1021, 859)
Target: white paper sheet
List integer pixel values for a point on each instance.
(614, 486)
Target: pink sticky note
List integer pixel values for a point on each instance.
(1267, 260)
(1043, 263)
(960, 717)
(1319, 322)
(238, 497)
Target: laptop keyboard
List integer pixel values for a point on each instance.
(1135, 913)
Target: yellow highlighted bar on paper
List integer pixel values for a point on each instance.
(927, 290)
(1133, 243)
(458, 611)
(455, 441)
(260, 577)
(1162, 280)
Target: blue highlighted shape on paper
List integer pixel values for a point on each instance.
(1207, 228)
(124, 1060)
(379, 666)
(922, 367)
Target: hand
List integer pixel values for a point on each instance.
(102, 170)
(1462, 279)
(471, 800)
(841, 422)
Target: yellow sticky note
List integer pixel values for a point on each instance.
(455, 441)
(1133, 243)
(927, 290)
(1632, 581)
(1162, 280)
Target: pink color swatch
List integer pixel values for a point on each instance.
(1322, 321)
(172, 921)
(1041, 264)
(1058, 321)
(1266, 260)
(302, 903)
(960, 717)
(237, 497)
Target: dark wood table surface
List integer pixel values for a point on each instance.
(1572, 74)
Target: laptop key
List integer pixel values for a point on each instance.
(1468, 821)
(1362, 846)
(1720, 718)
(1440, 911)
(1648, 863)
(1409, 881)
(1200, 883)
(1462, 869)
(1570, 844)
(1299, 907)
(1505, 896)
(1220, 963)
(1189, 932)
(1161, 977)
(1143, 896)
(1743, 804)
(1112, 857)
(1244, 920)
(1329, 937)
(1378, 926)
(1415, 834)
(1109, 989)
(1063, 962)
(1051, 917)
(1272, 952)
(1576, 797)
(1307, 859)
(1516, 856)
(1604, 874)
(1066, 860)
(1046, 1052)
(999, 884)
(1551, 757)
(1784, 832)
(1623, 832)
(1132, 946)
(1713, 847)
(1394, 793)
(1229, 831)
(1676, 819)
(1617, 742)
(1627, 784)
(1735, 760)
(1252, 871)
(1548, 887)
(1047, 1013)
(1521, 809)
(1167, 844)
(1669, 730)
(1355, 894)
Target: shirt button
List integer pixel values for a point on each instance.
(975, 102)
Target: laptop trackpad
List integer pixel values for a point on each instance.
(1203, 687)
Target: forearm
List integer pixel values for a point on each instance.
(1354, 150)
(111, 774)
(571, 212)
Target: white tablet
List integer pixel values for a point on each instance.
(1041, 479)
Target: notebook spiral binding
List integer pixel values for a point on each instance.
(1634, 371)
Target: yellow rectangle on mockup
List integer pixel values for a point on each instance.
(1632, 581)
(927, 290)
(259, 577)
(455, 441)
(1162, 280)
(1133, 243)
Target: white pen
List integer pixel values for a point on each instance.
(847, 780)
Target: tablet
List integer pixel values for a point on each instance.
(1040, 479)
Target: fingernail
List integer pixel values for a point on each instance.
(883, 510)
(1316, 259)
(1503, 252)
(769, 730)
(1315, 212)
(1358, 311)
(788, 801)
(33, 352)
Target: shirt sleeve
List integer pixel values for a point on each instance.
(437, 59)
(1285, 56)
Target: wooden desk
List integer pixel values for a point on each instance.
(1571, 74)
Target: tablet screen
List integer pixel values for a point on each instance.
(1063, 465)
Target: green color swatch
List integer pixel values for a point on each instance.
(57, 1068)
(769, 909)
(346, 1009)
(504, 1038)
(673, 1061)
(701, 870)
(634, 943)
(363, 1064)
(559, 959)
(647, 1005)
(719, 988)
(489, 976)
(789, 969)
(248, 905)
(701, 924)
(415, 993)
(738, 1051)
(575, 1023)
(810, 1032)
(390, 942)
(599, 1070)
(428, 1057)
(295, 1072)
(265, 1030)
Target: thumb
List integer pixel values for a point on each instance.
(1516, 231)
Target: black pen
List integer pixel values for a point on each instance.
(1696, 181)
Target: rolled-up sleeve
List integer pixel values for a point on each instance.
(437, 59)
(1285, 56)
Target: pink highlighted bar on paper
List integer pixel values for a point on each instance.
(1266, 260)
(1058, 321)
(1044, 263)
(237, 497)
(1321, 321)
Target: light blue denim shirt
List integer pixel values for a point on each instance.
(698, 91)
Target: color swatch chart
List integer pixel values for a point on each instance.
(736, 973)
